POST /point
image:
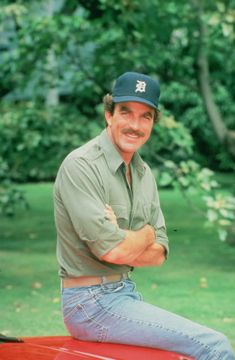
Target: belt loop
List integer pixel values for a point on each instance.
(125, 276)
(104, 280)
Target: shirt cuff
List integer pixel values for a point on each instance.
(162, 239)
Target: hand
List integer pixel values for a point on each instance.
(109, 214)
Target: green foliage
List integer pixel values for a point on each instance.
(92, 45)
(11, 199)
(10, 196)
(78, 49)
(189, 178)
(35, 140)
(169, 140)
(221, 213)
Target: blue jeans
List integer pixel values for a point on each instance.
(115, 313)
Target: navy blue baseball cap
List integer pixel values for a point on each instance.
(132, 86)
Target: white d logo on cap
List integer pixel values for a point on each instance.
(140, 86)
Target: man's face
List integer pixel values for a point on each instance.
(130, 127)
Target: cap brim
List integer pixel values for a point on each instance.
(119, 99)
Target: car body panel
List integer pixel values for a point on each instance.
(67, 348)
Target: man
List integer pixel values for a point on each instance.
(108, 221)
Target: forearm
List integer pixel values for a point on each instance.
(134, 244)
(154, 255)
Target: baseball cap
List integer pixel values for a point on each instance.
(133, 86)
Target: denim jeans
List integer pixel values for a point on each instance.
(116, 313)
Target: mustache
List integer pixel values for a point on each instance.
(132, 132)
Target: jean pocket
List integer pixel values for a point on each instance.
(82, 325)
(71, 298)
(69, 311)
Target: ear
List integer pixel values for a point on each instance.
(108, 117)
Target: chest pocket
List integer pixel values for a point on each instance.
(145, 213)
(122, 215)
(150, 210)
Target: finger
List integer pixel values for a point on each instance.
(108, 207)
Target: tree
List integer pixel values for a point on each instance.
(225, 136)
(60, 55)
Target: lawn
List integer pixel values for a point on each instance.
(197, 281)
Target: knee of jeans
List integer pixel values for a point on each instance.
(222, 345)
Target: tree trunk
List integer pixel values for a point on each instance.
(52, 97)
(225, 136)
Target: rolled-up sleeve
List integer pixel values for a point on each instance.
(162, 238)
(158, 221)
(82, 193)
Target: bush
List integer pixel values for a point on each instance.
(188, 109)
(35, 139)
(10, 196)
(170, 140)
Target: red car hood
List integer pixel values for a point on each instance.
(66, 348)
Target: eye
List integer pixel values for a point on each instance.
(125, 112)
(148, 116)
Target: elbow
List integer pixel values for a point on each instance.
(162, 257)
(109, 257)
(115, 256)
(160, 261)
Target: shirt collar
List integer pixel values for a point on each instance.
(114, 159)
(138, 164)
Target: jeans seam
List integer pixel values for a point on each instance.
(117, 316)
(103, 332)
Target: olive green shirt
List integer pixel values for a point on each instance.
(90, 177)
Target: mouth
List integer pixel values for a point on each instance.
(132, 138)
(133, 134)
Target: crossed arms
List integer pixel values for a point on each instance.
(80, 197)
(139, 248)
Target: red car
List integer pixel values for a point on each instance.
(66, 348)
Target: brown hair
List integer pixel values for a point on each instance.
(109, 106)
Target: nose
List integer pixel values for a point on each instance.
(134, 123)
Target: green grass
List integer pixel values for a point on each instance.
(197, 281)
